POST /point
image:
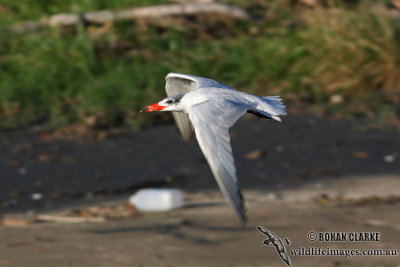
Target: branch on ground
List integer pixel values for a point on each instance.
(106, 16)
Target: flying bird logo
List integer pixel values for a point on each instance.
(274, 240)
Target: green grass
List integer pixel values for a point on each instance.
(61, 76)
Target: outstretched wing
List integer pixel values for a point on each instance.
(176, 84)
(212, 132)
(265, 231)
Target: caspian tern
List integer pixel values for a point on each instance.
(208, 108)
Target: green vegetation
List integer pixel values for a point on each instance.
(309, 55)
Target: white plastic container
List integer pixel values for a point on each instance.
(157, 199)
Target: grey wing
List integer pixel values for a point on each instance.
(177, 83)
(195, 82)
(212, 134)
(175, 86)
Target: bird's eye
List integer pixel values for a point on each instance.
(169, 101)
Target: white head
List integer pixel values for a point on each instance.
(172, 103)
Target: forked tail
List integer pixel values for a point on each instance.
(270, 107)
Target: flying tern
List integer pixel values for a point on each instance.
(208, 109)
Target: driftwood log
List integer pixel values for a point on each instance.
(106, 16)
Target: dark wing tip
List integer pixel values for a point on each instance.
(242, 210)
(262, 230)
(188, 137)
(243, 219)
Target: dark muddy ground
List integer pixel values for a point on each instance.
(302, 148)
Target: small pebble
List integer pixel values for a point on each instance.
(22, 171)
(389, 158)
(271, 196)
(336, 99)
(255, 154)
(36, 196)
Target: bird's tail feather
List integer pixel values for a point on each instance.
(272, 107)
